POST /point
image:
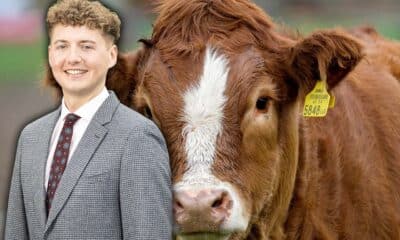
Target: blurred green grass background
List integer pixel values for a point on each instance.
(21, 62)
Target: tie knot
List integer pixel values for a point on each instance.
(71, 119)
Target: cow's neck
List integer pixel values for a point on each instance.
(314, 164)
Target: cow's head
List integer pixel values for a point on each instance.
(225, 88)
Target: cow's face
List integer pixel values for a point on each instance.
(225, 89)
(219, 115)
(230, 119)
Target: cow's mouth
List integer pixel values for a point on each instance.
(204, 236)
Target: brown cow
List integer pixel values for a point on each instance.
(380, 51)
(227, 90)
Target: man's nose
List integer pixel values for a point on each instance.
(74, 56)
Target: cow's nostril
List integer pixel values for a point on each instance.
(222, 201)
(178, 204)
(217, 203)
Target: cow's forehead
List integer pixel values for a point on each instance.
(203, 115)
(243, 65)
(206, 81)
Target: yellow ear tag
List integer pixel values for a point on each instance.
(332, 101)
(317, 101)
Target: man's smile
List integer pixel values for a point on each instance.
(75, 72)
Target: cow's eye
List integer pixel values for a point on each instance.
(262, 104)
(147, 113)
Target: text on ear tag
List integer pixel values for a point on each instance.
(317, 101)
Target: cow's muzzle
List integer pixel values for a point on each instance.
(201, 210)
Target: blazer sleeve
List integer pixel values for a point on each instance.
(145, 186)
(16, 225)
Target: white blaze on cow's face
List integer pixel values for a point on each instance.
(203, 116)
(203, 111)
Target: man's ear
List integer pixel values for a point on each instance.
(331, 54)
(122, 78)
(113, 55)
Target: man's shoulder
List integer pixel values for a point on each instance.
(43, 122)
(139, 130)
(128, 117)
(131, 121)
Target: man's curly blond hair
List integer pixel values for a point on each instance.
(91, 14)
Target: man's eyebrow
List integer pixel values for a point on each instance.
(60, 41)
(82, 41)
(87, 41)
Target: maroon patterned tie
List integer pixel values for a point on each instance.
(60, 157)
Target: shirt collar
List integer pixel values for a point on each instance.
(87, 110)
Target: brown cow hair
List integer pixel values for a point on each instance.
(381, 51)
(332, 52)
(187, 27)
(122, 77)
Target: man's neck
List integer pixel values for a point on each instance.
(74, 102)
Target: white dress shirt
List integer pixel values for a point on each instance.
(86, 112)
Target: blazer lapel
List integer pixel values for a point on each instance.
(91, 139)
(39, 165)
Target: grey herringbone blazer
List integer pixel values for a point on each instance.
(116, 184)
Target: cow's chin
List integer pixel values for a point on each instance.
(204, 236)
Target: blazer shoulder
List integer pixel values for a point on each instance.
(40, 123)
(130, 120)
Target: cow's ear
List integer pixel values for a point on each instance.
(122, 78)
(330, 54)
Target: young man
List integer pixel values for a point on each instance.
(93, 168)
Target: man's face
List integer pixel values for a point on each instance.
(79, 58)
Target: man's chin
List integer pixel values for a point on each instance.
(204, 236)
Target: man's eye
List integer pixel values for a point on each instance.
(60, 47)
(87, 47)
